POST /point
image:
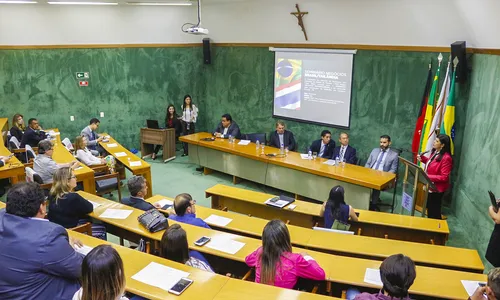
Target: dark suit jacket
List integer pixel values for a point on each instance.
(349, 155)
(18, 133)
(176, 124)
(37, 261)
(32, 137)
(288, 140)
(1, 163)
(316, 147)
(233, 130)
(137, 203)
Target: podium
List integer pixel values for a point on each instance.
(421, 185)
(164, 137)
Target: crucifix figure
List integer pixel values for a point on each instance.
(299, 16)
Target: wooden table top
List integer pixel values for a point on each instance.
(205, 283)
(350, 173)
(313, 209)
(353, 244)
(125, 160)
(339, 269)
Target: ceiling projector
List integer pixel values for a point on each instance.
(197, 30)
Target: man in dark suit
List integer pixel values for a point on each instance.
(227, 127)
(382, 159)
(138, 189)
(282, 137)
(33, 134)
(37, 257)
(324, 146)
(345, 152)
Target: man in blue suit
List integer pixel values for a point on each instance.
(37, 259)
(138, 189)
(324, 146)
(345, 152)
(382, 159)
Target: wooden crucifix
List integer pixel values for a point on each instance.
(299, 14)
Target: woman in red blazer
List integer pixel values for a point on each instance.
(438, 168)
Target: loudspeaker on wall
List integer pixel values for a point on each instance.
(207, 59)
(459, 50)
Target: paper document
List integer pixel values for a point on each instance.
(225, 244)
(112, 145)
(111, 213)
(95, 204)
(304, 156)
(135, 163)
(218, 220)
(244, 142)
(163, 203)
(78, 168)
(159, 276)
(471, 286)
(291, 206)
(120, 154)
(83, 250)
(373, 276)
(330, 162)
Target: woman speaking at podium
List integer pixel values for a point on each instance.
(189, 115)
(438, 168)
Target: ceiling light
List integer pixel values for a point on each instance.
(161, 3)
(83, 3)
(16, 2)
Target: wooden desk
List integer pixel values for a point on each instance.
(309, 178)
(437, 283)
(306, 214)
(143, 170)
(62, 155)
(14, 169)
(164, 137)
(4, 127)
(350, 245)
(205, 283)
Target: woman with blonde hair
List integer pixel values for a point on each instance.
(68, 208)
(18, 127)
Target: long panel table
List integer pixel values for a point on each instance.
(14, 169)
(340, 270)
(349, 245)
(306, 214)
(308, 178)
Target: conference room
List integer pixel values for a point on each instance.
(249, 149)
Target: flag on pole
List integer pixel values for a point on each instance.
(421, 116)
(429, 111)
(448, 126)
(438, 113)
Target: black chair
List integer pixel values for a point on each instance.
(253, 137)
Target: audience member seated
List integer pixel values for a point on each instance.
(382, 159)
(4, 160)
(18, 127)
(37, 258)
(227, 127)
(492, 288)
(84, 154)
(174, 246)
(103, 276)
(336, 212)
(44, 165)
(397, 273)
(345, 152)
(33, 134)
(185, 211)
(282, 137)
(138, 188)
(171, 121)
(274, 262)
(68, 208)
(493, 249)
(323, 147)
(93, 138)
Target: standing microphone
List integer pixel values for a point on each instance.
(425, 152)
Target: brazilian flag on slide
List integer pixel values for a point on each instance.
(288, 83)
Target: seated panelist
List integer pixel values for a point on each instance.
(324, 146)
(344, 151)
(281, 136)
(227, 127)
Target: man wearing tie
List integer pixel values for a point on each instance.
(345, 152)
(324, 146)
(93, 138)
(382, 159)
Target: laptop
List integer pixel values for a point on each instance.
(153, 124)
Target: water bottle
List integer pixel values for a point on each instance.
(309, 154)
(337, 161)
(282, 149)
(230, 139)
(257, 145)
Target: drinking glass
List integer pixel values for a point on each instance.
(315, 154)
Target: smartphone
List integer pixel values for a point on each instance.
(180, 286)
(202, 241)
(274, 199)
(493, 200)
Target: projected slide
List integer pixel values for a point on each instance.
(313, 87)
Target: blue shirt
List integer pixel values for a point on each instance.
(189, 219)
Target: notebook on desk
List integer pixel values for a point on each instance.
(279, 201)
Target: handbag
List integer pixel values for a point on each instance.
(153, 220)
(337, 225)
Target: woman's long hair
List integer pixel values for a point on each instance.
(79, 143)
(335, 199)
(184, 105)
(174, 244)
(397, 273)
(60, 184)
(16, 124)
(446, 141)
(167, 117)
(103, 277)
(275, 242)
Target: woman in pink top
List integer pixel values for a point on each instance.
(274, 262)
